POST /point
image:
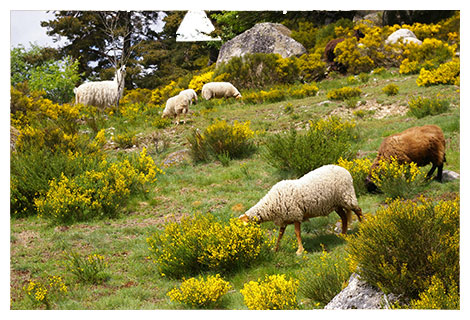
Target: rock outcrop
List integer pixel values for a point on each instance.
(404, 34)
(262, 38)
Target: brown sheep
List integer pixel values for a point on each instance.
(421, 145)
(330, 51)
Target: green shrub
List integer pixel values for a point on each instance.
(301, 152)
(390, 89)
(201, 293)
(324, 276)
(446, 73)
(405, 244)
(89, 269)
(275, 292)
(421, 107)
(201, 243)
(221, 138)
(42, 292)
(344, 93)
(125, 140)
(437, 296)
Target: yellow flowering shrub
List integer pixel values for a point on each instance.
(447, 73)
(390, 89)
(88, 269)
(275, 292)
(199, 292)
(323, 276)
(398, 180)
(421, 107)
(438, 296)
(344, 93)
(311, 66)
(222, 138)
(202, 243)
(198, 81)
(42, 292)
(138, 95)
(359, 169)
(161, 94)
(406, 243)
(279, 93)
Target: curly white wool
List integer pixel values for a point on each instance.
(175, 106)
(219, 90)
(102, 94)
(190, 94)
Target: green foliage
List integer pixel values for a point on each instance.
(201, 243)
(275, 292)
(421, 107)
(438, 296)
(221, 138)
(383, 244)
(90, 269)
(324, 276)
(42, 292)
(323, 143)
(390, 89)
(201, 293)
(344, 93)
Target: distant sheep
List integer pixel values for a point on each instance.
(102, 94)
(421, 145)
(175, 106)
(316, 194)
(330, 51)
(190, 94)
(219, 90)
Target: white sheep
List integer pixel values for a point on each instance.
(219, 90)
(316, 194)
(175, 106)
(102, 94)
(190, 94)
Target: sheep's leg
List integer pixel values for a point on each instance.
(281, 233)
(439, 172)
(299, 239)
(433, 168)
(344, 219)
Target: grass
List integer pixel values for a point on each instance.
(225, 191)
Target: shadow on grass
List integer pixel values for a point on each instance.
(329, 241)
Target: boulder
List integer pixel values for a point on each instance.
(449, 175)
(360, 295)
(262, 38)
(404, 34)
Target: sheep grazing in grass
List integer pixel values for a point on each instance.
(102, 94)
(421, 145)
(316, 194)
(330, 51)
(219, 90)
(190, 94)
(175, 106)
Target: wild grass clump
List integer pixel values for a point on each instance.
(398, 180)
(201, 293)
(275, 292)
(45, 292)
(88, 269)
(202, 243)
(325, 142)
(408, 243)
(421, 107)
(324, 276)
(221, 138)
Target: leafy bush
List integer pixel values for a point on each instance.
(405, 244)
(323, 143)
(323, 277)
(447, 73)
(390, 89)
(138, 95)
(222, 138)
(398, 180)
(279, 93)
(197, 82)
(161, 94)
(438, 296)
(275, 292)
(201, 243)
(344, 93)
(359, 169)
(42, 292)
(125, 140)
(88, 269)
(200, 293)
(421, 107)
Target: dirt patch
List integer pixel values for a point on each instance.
(372, 109)
(27, 238)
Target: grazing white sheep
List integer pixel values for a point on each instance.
(191, 94)
(175, 106)
(316, 194)
(102, 94)
(219, 90)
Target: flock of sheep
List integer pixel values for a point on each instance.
(319, 192)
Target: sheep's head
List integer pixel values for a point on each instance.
(244, 218)
(238, 96)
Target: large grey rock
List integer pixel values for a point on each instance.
(405, 34)
(262, 38)
(449, 175)
(360, 295)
